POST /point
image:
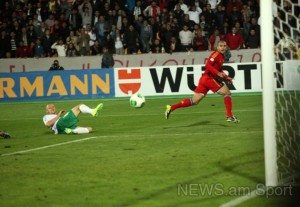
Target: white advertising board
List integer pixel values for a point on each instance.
(179, 80)
(182, 79)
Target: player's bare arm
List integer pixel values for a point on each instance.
(51, 122)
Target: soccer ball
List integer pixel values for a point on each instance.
(137, 100)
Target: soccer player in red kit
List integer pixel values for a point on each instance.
(213, 79)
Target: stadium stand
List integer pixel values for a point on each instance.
(40, 28)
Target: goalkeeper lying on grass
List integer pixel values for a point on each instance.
(66, 122)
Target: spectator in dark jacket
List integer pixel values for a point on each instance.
(173, 46)
(166, 34)
(107, 59)
(253, 40)
(255, 26)
(75, 20)
(178, 12)
(209, 14)
(4, 43)
(146, 36)
(131, 40)
(101, 28)
(48, 40)
(235, 16)
(38, 49)
(71, 50)
(96, 49)
(186, 21)
(220, 16)
(156, 46)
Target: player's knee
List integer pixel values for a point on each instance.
(195, 102)
(77, 107)
(227, 93)
(197, 98)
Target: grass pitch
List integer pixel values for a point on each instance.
(134, 157)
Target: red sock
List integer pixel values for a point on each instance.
(228, 105)
(184, 103)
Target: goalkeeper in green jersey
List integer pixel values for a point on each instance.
(66, 122)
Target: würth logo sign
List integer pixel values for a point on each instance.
(129, 80)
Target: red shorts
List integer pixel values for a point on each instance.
(207, 83)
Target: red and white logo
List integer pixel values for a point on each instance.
(129, 80)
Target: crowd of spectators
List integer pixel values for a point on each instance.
(42, 28)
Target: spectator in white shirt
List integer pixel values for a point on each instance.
(137, 11)
(194, 14)
(60, 48)
(85, 10)
(92, 35)
(50, 21)
(186, 37)
(183, 7)
(213, 3)
(118, 43)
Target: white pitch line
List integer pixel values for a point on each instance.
(48, 146)
(242, 199)
(112, 136)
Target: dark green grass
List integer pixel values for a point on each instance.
(137, 158)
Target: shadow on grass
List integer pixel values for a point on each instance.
(233, 164)
(200, 123)
(229, 165)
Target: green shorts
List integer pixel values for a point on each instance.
(69, 120)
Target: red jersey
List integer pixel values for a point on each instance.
(214, 64)
(234, 41)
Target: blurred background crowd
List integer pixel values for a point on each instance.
(40, 28)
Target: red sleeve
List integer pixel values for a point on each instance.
(210, 63)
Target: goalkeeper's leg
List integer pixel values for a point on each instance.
(86, 110)
(78, 130)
